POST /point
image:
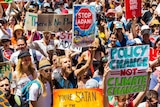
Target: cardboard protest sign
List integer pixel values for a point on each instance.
(128, 69)
(66, 43)
(31, 21)
(133, 8)
(84, 23)
(5, 1)
(5, 69)
(62, 22)
(48, 22)
(78, 98)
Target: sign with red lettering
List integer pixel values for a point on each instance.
(133, 8)
(128, 70)
(84, 18)
(84, 24)
(153, 54)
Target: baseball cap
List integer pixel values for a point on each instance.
(110, 11)
(23, 54)
(144, 27)
(46, 5)
(138, 41)
(131, 42)
(154, 22)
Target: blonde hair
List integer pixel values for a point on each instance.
(40, 79)
(19, 69)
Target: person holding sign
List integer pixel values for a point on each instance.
(123, 99)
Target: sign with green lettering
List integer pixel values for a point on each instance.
(5, 69)
(48, 22)
(128, 69)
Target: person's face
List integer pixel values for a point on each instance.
(12, 21)
(47, 36)
(5, 87)
(26, 61)
(6, 43)
(21, 45)
(46, 73)
(113, 39)
(158, 44)
(146, 37)
(19, 33)
(22, 16)
(54, 60)
(152, 103)
(102, 22)
(66, 64)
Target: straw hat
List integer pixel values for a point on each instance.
(18, 27)
(44, 64)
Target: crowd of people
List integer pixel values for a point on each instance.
(34, 55)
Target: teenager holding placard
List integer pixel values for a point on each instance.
(123, 99)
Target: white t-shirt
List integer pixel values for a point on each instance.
(42, 101)
(14, 56)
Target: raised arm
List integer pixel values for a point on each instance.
(80, 71)
(105, 97)
(141, 95)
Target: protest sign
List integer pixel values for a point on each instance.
(48, 22)
(133, 8)
(153, 54)
(66, 43)
(5, 1)
(78, 98)
(84, 23)
(128, 70)
(31, 21)
(5, 69)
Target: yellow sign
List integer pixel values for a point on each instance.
(78, 98)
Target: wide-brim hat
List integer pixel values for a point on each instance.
(44, 64)
(18, 27)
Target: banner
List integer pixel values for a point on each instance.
(48, 22)
(133, 8)
(65, 43)
(84, 24)
(31, 21)
(128, 70)
(5, 1)
(5, 70)
(78, 98)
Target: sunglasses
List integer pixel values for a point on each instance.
(48, 70)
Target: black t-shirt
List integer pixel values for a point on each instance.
(13, 102)
(147, 17)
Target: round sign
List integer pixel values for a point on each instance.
(84, 18)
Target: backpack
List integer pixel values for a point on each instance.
(36, 62)
(25, 91)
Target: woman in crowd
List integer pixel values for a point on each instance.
(12, 21)
(24, 73)
(17, 33)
